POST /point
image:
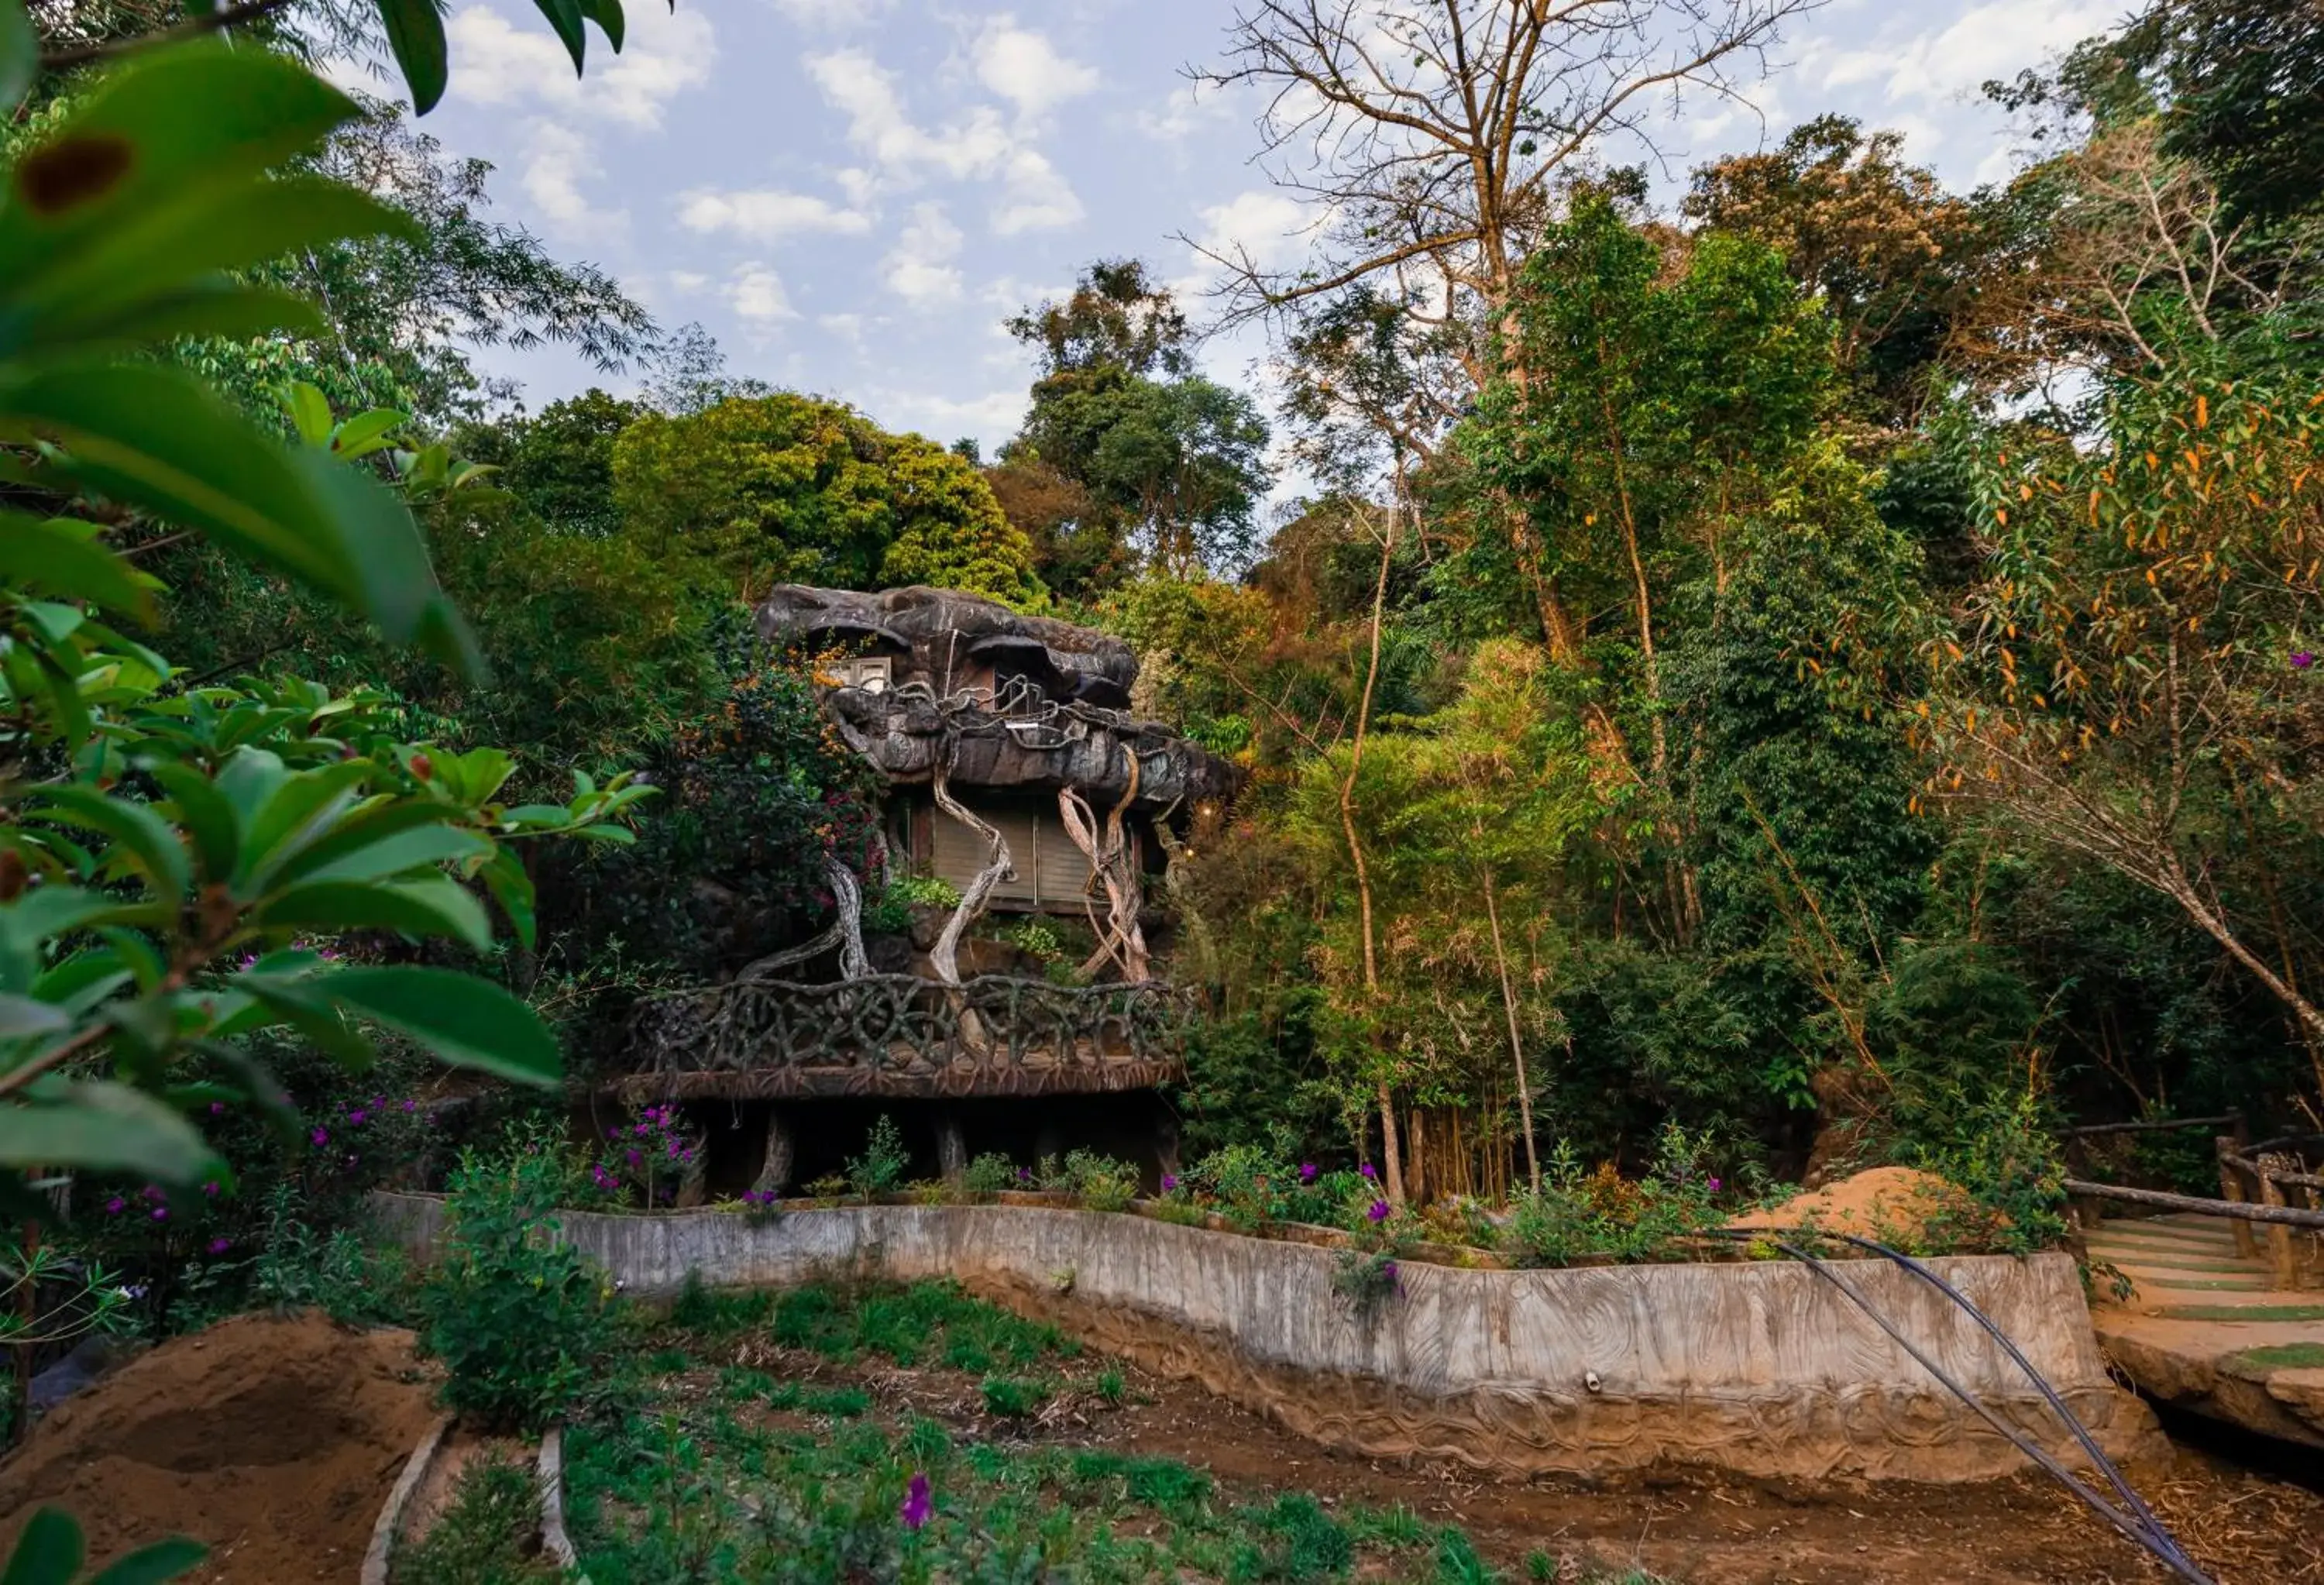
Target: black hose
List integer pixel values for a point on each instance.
(2139, 1525)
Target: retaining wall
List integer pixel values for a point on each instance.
(1759, 1369)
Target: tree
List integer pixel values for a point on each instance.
(1161, 458)
(1889, 252)
(757, 491)
(1657, 409)
(2130, 679)
(2245, 83)
(560, 463)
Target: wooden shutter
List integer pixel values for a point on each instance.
(1051, 872)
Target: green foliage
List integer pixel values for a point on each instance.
(486, 1535)
(49, 1550)
(784, 488)
(283, 811)
(523, 1323)
(1095, 1181)
(880, 1168)
(988, 1175)
(1579, 1214)
(352, 1279)
(1012, 1397)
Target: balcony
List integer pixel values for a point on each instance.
(897, 1035)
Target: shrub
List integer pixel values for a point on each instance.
(1013, 1397)
(881, 1165)
(523, 1323)
(338, 1272)
(485, 1537)
(1098, 1182)
(988, 1175)
(1580, 1213)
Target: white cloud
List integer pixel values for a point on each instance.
(1034, 197)
(756, 294)
(831, 16)
(556, 158)
(1025, 68)
(990, 418)
(920, 269)
(977, 145)
(1268, 224)
(769, 215)
(1998, 39)
(500, 62)
(688, 281)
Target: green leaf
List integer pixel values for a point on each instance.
(512, 888)
(49, 1552)
(564, 16)
(63, 557)
(415, 33)
(151, 437)
(438, 906)
(464, 1020)
(223, 308)
(366, 432)
(150, 842)
(103, 1128)
(21, 1016)
(309, 412)
(607, 15)
(397, 854)
(206, 816)
(151, 1565)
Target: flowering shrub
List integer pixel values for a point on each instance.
(988, 1175)
(523, 1323)
(651, 1156)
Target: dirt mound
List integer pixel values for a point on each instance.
(1887, 1202)
(273, 1440)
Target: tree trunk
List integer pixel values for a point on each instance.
(1392, 1159)
(1516, 1044)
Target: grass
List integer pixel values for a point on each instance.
(700, 1485)
(2281, 1356)
(2244, 1313)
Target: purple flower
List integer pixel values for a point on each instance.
(357, 1117)
(411, 1106)
(116, 1206)
(220, 1246)
(319, 1137)
(1387, 1270)
(218, 1108)
(917, 1505)
(631, 1156)
(211, 1188)
(1169, 1182)
(2301, 660)
(161, 1213)
(1306, 1172)
(1714, 1186)
(1367, 1170)
(1378, 1211)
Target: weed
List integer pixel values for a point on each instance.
(485, 1537)
(1111, 1387)
(1013, 1397)
(881, 1165)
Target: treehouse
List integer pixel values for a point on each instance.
(1021, 1011)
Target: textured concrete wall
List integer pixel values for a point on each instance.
(1760, 1369)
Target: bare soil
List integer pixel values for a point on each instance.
(275, 1441)
(1894, 1202)
(1690, 1527)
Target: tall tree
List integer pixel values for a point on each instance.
(1163, 460)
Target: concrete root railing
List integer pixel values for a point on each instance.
(1759, 1369)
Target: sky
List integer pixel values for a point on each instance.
(853, 195)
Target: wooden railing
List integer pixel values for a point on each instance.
(2269, 1194)
(900, 1035)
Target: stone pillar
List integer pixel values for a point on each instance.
(775, 1174)
(951, 1148)
(1166, 1141)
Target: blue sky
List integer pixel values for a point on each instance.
(853, 194)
